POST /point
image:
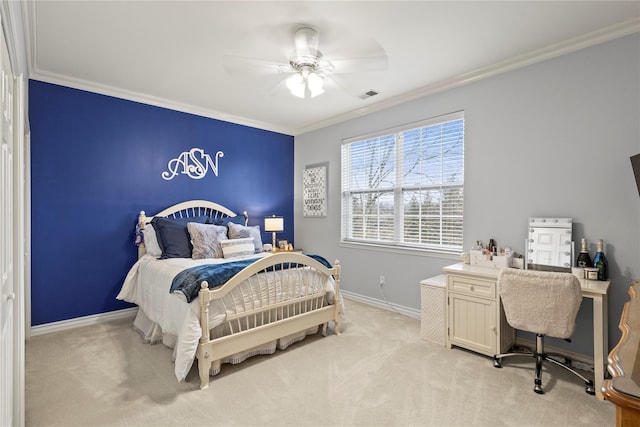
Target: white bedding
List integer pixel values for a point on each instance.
(147, 284)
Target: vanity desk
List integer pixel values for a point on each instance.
(476, 320)
(623, 389)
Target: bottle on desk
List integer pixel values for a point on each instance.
(600, 262)
(492, 246)
(584, 260)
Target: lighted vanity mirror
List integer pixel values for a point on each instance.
(549, 244)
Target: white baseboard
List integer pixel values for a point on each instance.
(131, 312)
(411, 312)
(579, 361)
(82, 321)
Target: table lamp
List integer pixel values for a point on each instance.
(275, 224)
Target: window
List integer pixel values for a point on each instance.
(404, 187)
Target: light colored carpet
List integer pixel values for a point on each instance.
(379, 372)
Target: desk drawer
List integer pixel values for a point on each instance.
(471, 286)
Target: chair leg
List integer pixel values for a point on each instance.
(515, 350)
(537, 387)
(539, 355)
(497, 359)
(588, 384)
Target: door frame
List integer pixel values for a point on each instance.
(11, 17)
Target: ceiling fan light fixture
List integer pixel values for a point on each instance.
(317, 92)
(305, 80)
(315, 84)
(296, 85)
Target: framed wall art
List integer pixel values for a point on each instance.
(314, 187)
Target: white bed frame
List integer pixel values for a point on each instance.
(275, 320)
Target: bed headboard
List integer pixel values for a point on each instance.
(189, 209)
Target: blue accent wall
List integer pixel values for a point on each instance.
(96, 162)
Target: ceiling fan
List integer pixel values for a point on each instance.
(307, 64)
(308, 68)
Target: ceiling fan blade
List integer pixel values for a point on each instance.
(242, 66)
(359, 65)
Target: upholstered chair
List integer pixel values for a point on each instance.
(546, 304)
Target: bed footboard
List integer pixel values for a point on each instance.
(293, 296)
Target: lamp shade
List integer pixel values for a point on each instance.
(274, 223)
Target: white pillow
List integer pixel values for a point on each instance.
(151, 241)
(237, 231)
(237, 247)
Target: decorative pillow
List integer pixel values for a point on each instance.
(173, 237)
(237, 231)
(238, 219)
(206, 239)
(151, 245)
(237, 247)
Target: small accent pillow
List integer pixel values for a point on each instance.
(237, 231)
(237, 247)
(151, 245)
(173, 236)
(206, 239)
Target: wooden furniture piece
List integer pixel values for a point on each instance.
(276, 297)
(476, 318)
(433, 326)
(297, 251)
(623, 389)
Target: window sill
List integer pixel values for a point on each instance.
(431, 253)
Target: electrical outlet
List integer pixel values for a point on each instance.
(381, 281)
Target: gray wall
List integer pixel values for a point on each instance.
(550, 139)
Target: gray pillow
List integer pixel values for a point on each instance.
(237, 231)
(206, 239)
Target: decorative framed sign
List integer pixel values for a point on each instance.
(314, 188)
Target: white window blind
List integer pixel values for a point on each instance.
(404, 187)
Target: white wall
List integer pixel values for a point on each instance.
(550, 139)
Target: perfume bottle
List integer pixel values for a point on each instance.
(600, 262)
(584, 260)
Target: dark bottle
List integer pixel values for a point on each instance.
(600, 262)
(584, 260)
(492, 246)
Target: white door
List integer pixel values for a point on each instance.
(7, 294)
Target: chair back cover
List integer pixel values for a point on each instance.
(541, 302)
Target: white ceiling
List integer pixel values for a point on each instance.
(173, 53)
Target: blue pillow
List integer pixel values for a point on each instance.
(173, 236)
(238, 219)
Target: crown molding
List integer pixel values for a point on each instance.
(29, 19)
(12, 22)
(605, 34)
(29, 25)
(571, 45)
(152, 100)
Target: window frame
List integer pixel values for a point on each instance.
(398, 190)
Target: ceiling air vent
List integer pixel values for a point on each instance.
(368, 94)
